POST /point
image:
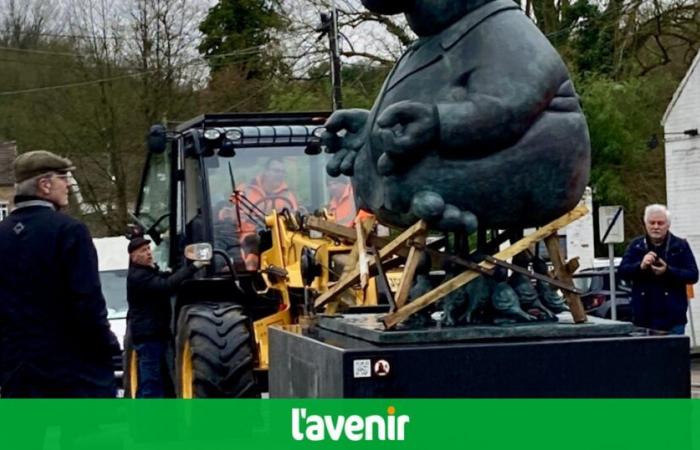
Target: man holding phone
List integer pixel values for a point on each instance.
(659, 265)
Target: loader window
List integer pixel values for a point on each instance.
(153, 210)
(272, 178)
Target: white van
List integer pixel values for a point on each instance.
(113, 259)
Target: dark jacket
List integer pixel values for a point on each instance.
(55, 339)
(148, 292)
(660, 302)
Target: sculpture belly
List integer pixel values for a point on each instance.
(528, 184)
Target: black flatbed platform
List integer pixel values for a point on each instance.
(326, 361)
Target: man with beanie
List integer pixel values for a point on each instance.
(55, 340)
(148, 292)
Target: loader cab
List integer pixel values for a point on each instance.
(272, 161)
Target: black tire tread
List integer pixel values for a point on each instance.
(222, 357)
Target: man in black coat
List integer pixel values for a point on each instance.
(148, 292)
(55, 340)
(660, 266)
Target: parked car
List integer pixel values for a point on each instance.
(596, 300)
(114, 290)
(113, 261)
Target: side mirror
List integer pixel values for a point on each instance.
(157, 139)
(199, 252)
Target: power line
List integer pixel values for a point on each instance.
(40, 52)
(249, 53)
(70, 85)
(243, 51)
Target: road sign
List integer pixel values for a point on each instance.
(611, 224)
(611, 228)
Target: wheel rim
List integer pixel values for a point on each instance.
(186, 378)
(133, 374)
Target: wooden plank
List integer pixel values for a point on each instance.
(562, 274)
(409, 271)
(387, 251)
(363, 260)
(572, 265)
(543, 232)
(349, 235)
(348, 296)
(363, 228)
(393, 319)
(333, 229)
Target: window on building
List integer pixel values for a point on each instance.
(4, 210)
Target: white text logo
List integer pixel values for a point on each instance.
(355, 428)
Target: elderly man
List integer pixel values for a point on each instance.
(660, 265)
(148, 292)
(55, 339)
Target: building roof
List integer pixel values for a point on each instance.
(8, 153)
(695, 65)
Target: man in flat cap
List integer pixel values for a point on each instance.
(148, 292)
(55, 339)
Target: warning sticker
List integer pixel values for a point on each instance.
(361, 368)
(382, 368)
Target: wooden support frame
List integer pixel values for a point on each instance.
(409, 272)
(348, 234)
(347, 296)
(563, 273)
(393, 319)
(385, 252)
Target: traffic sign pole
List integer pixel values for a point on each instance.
(613, 286)
(612, 230)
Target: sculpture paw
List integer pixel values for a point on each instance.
(431, 207)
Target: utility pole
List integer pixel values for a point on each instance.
(329, 25)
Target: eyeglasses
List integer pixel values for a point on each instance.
(65, 177)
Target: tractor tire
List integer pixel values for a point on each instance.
(214, 358)
(130, 374)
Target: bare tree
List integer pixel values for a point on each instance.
(365, 37)
(23, 23)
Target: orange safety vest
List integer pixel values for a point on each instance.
(256, 194)
(284, 197)
(361, 216)
(343, 208)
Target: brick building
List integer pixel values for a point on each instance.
(8, 152)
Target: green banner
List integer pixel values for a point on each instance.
(356, 424)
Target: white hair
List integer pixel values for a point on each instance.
(29, 186)
(656, 208)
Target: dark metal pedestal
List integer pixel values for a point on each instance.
(325, 363)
